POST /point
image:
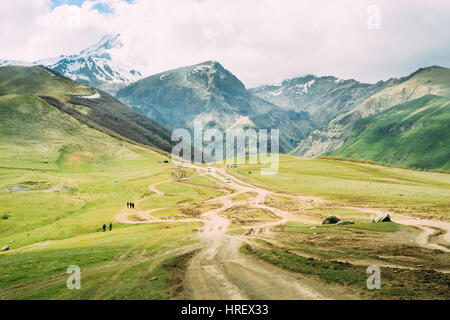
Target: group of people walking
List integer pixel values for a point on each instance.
(110, 227)
(130, 205)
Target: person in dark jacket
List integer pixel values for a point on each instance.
(104, 227)
(110, 226)
(128, 205)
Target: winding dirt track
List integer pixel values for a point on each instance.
(220, 271)
(428, 228)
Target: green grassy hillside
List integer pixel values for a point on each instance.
(413, 134)
(53, 167)
(91, 107)
(417, 192)
(38, 80)
(57, 187)
(63, 175)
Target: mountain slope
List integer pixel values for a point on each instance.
(212, 94)
(413, 134)
(323, 98)
(41, 88)
(432, 80)
(32, 131)
(96, 65)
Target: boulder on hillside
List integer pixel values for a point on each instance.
(382, 218)
(345, 223)
(5, 248)
(331, 220)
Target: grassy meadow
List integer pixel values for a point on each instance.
(57, 188)
(357, 184)
(60, 181)
(55, 217)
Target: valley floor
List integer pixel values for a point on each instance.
(195, 236)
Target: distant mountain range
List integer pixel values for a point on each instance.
(316, 115)
(95, 66)
(212, 94)
(322, 97)
(431, 80)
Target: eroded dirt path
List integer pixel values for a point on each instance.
(220, 271)
(429, 229)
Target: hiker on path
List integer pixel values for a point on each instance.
(104, 227)
(128, 205)
(110, 226)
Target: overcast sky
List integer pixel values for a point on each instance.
(260, 41)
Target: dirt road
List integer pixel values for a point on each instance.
(220, 271)
(429, 229)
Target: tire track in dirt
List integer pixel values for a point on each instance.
(429, 229)
(220, 271)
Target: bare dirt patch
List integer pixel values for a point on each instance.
(396, 283)
(296, 207)
(248, 216)
(135, 217)
(175, 271)
(389, 248)
(414, 284)
(190, 212)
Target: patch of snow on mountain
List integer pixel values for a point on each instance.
(203, 67)
(75, 66)
(241, 122)
(49, 61)
(96, 95)
(276, 84)
(277, 93)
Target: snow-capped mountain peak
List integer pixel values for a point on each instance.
(96, 65)
(103, 46)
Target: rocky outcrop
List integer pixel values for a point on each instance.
(331, 220)
(382, 218)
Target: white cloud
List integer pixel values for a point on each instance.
(258, 40)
